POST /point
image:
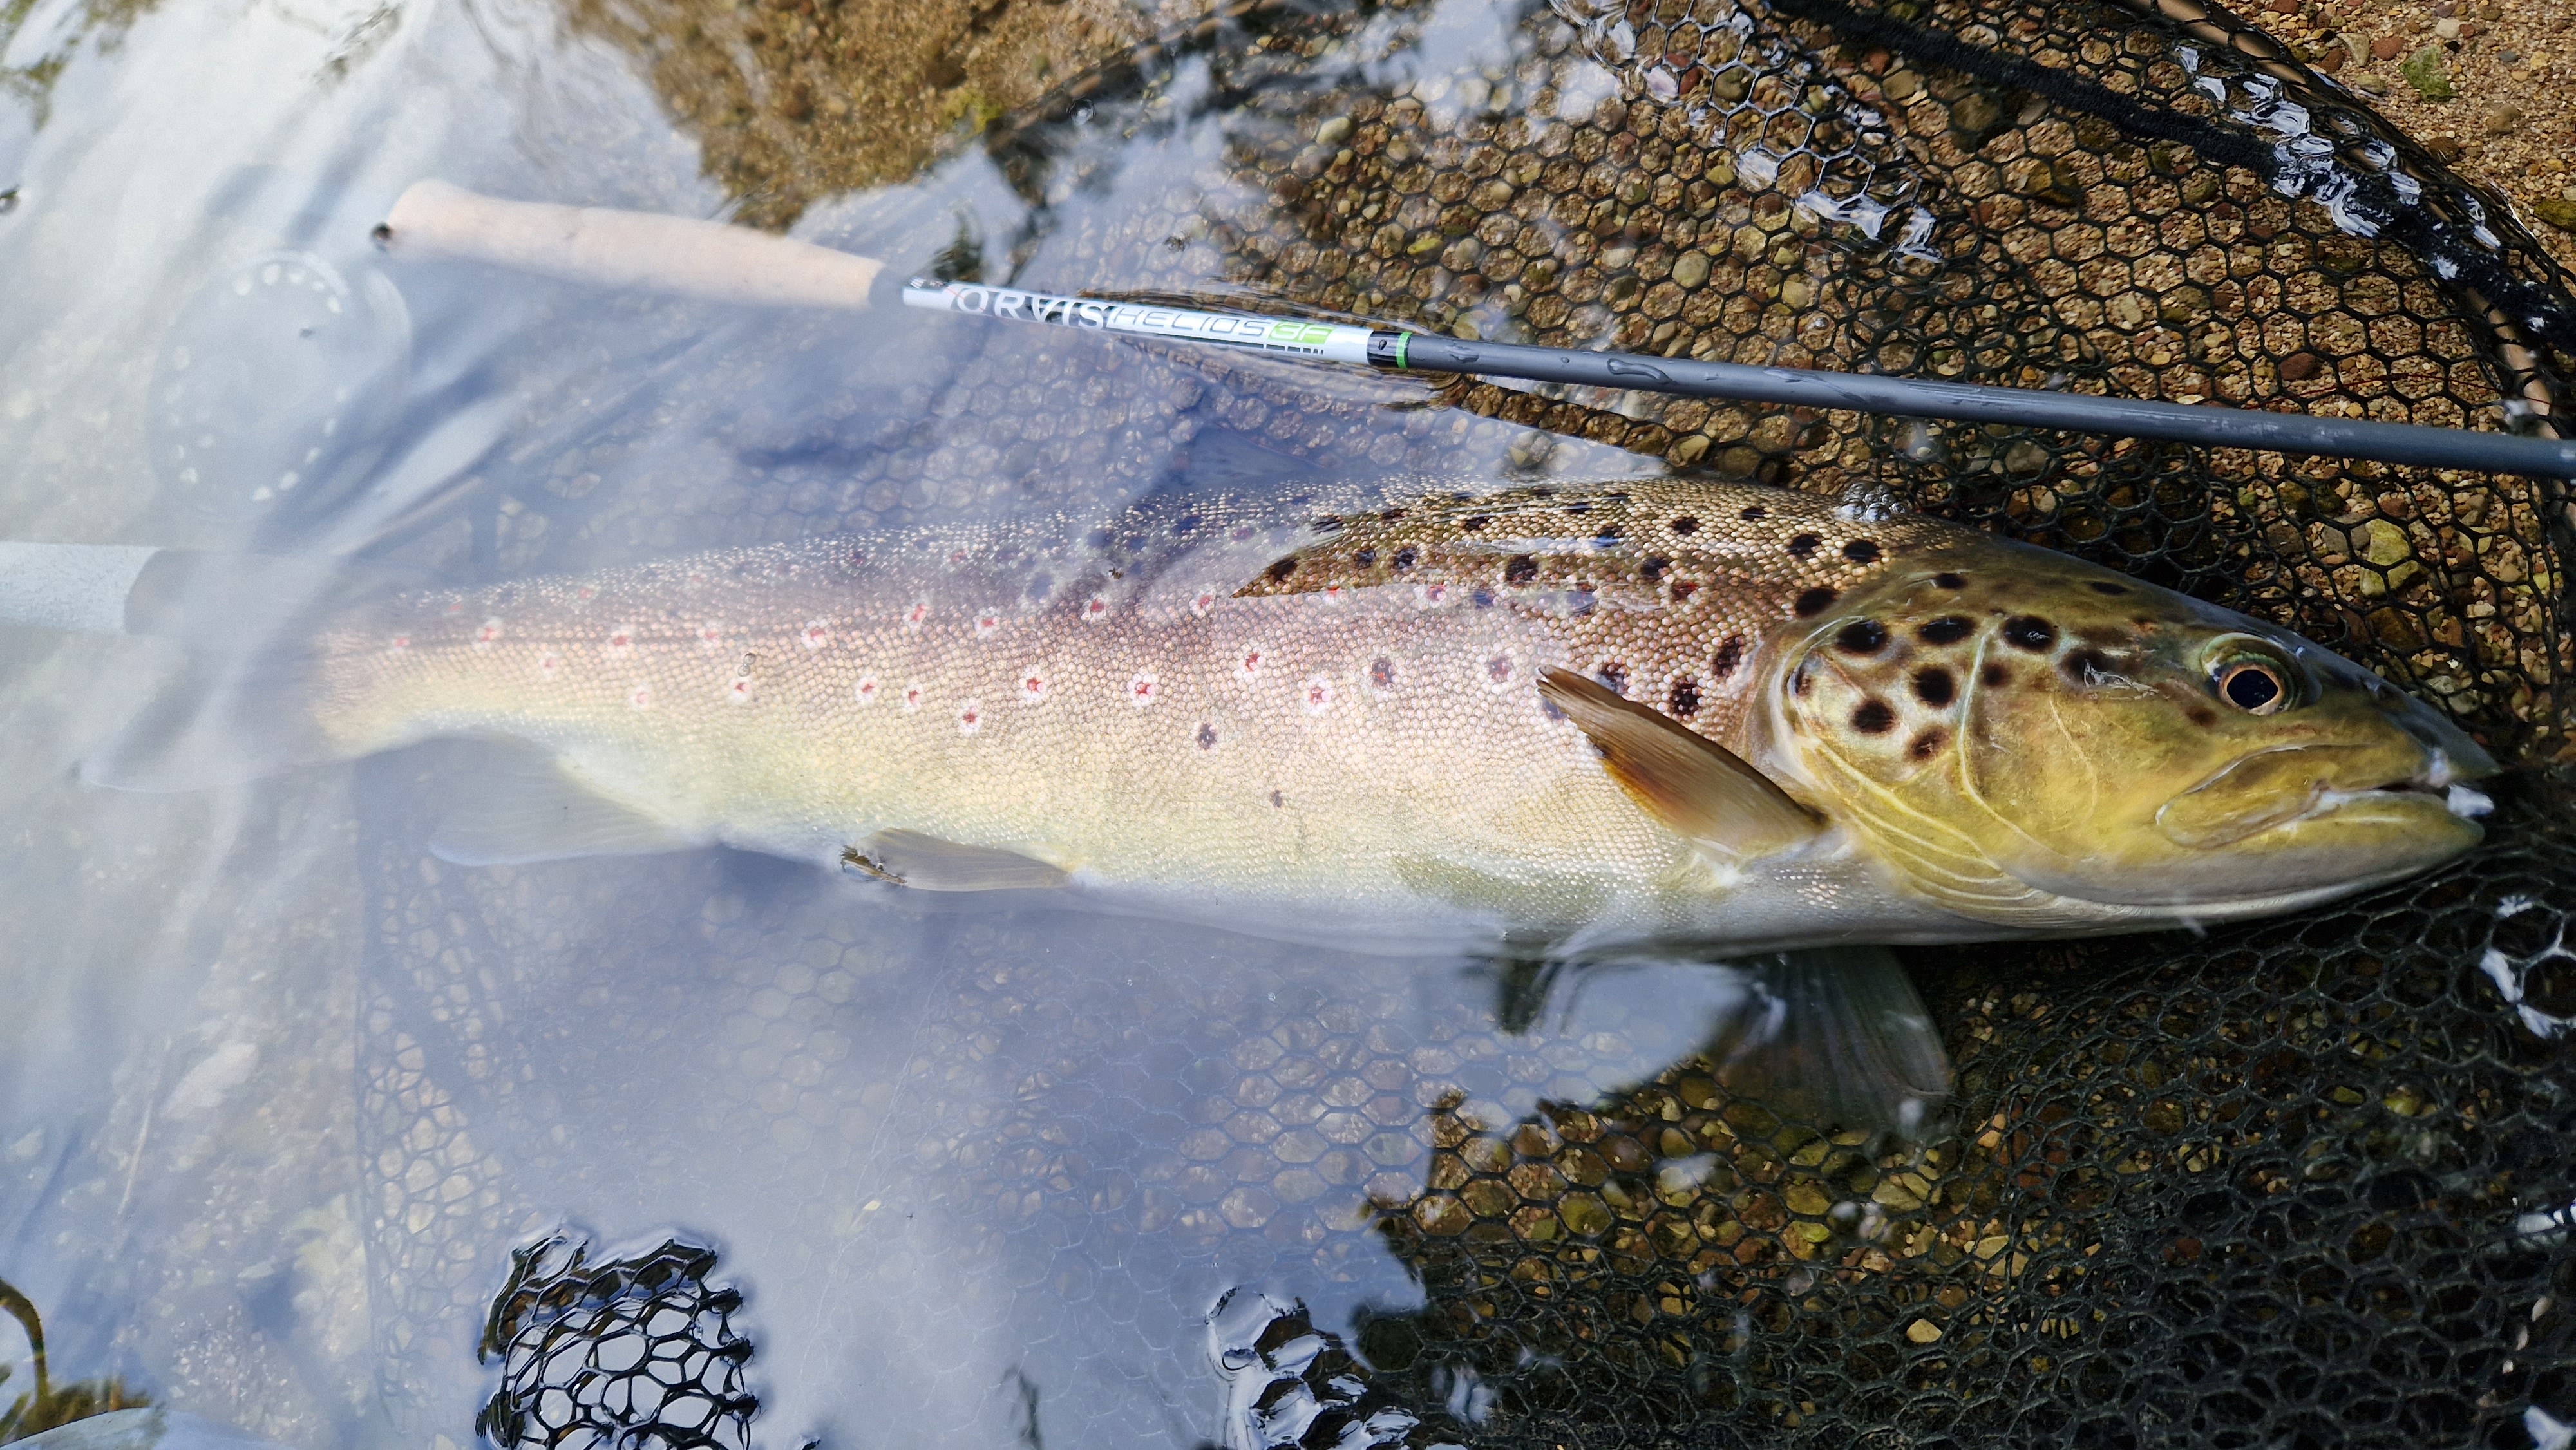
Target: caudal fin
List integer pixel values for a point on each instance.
(231, 703)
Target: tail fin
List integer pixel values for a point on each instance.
(233, 705)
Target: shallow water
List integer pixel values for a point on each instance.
(285, 1093)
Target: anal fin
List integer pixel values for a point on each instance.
(521, 806)
(1692, 784)
(927, 863)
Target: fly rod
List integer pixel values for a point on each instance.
(1398, 351)
(719, 262)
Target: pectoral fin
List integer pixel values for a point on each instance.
(1692, 784)
(927, 863)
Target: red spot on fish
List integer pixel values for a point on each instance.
(488, 635)
(986, 625)
(1319, 695)
(918, 614)
(1433, 595)
(621, 643)
(865, 692)
(912, 697)
(1248, 665)
(711, 635)
(641, 697)
(1143, 691)
(739, 690)
(586, 593)
(549, 664)
(1205, 601)
(402, 641)
(1033, 688)
(456, 606)
(817, 634)
(1098, 608)
(970, 718)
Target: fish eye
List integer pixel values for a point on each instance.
(2255, 686)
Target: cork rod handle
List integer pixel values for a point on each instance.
(603, 247)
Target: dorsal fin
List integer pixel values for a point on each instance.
(1690, 783)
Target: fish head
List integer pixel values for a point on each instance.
(2034, 740)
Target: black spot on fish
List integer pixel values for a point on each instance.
(1861, 637)
(1391, 516)
(1801, 545)
(1861, 551)
(1101, 538)
(2029, 631)
(1948, 629)
(1405, 556)
(1756, 514)
(1873, 718)
(2086, 666)
(1578, 508)
(1949, 581)
(2202, 716)
(1683, 589)
(1278, 799)
(1282, 569)
(1994, 677)
(1364, 558)
(1654, 570)
(1329, 524)
(1541, 491)
(1925, 744)
(1477, 522)
(1798, 682)
(1728, 656)
(1935, 688)
(1207, 736)
(1815, 601)
(2100, 586)
(1550, 709)
(1580, 602)
(1382, 673)
(1483, 597)
(1185, 525)
(1685, 525)
(1613, 677)
(1684, 699)
(1521, 569)
(1499, 668)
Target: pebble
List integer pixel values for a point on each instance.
(1690, 269)
(2503, 120)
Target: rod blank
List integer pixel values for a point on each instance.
(2216, 427)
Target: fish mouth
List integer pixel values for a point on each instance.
(2283, 789)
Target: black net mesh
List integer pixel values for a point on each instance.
(2304, 1182)
(633, 1353)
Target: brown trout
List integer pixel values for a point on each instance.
(1675, 713)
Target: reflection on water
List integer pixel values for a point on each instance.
(284, 1093)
